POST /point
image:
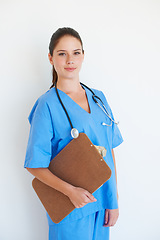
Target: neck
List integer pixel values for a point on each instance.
(69, 86)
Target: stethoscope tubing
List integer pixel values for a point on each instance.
(93, 97)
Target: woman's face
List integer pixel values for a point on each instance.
(67, 54)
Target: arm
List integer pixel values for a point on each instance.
(115, 168)
(40, 147)
(78, 196)
(111, 215)
(46, 176)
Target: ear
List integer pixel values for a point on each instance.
(50, 58)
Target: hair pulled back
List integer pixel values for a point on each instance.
(61, 32)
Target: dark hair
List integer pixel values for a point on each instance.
(54, 41)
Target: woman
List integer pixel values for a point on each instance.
(50, 132)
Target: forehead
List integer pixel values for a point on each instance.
(68, 43)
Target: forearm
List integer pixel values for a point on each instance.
(47, 177)
(115, 169)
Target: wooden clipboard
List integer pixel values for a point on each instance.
(80, 164)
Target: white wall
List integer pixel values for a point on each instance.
(121, 41)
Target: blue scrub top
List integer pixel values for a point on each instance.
(50, 132)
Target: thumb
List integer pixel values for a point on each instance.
(91, 197)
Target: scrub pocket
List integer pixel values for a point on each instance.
(87, 228)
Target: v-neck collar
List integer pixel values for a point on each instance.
(87, 95)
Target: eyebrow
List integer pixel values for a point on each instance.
(65, 50)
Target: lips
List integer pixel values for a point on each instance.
(70, 69)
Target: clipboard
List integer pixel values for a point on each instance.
(78, 163)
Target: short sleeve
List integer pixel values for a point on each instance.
(117, 138)
(116, 135)
(39, 148)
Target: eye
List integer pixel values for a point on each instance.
(61, 53)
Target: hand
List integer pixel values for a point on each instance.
(80, 197)
(111, 216)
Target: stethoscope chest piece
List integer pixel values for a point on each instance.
(74, 133)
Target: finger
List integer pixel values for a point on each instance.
(109, 224)
(106, 217)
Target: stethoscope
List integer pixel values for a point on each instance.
(74, 131)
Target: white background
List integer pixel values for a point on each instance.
(122, 58)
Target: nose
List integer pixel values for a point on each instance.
(69, 60)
